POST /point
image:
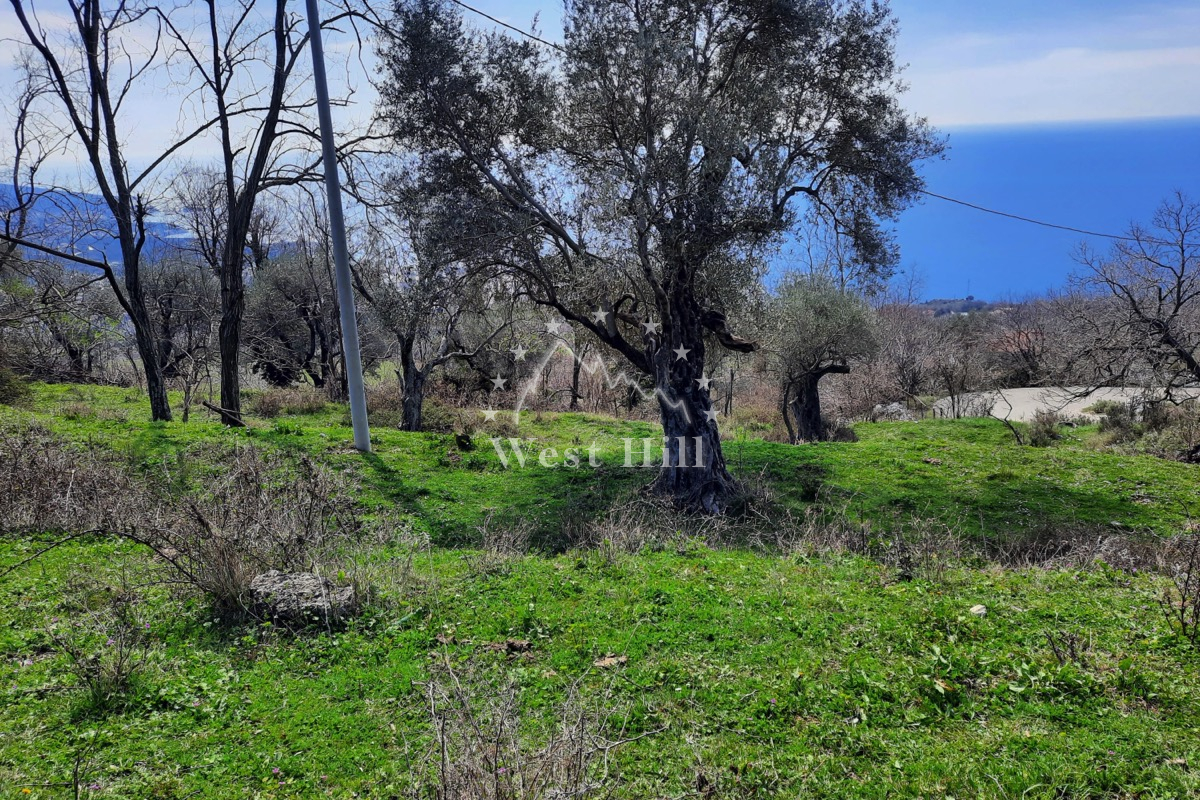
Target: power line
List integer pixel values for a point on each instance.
(1045, 224)
(526, 34)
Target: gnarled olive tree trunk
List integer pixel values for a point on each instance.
(693, 473)
(802, 399)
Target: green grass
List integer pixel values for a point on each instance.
(822, 678)
(770, 675)
(968, 474)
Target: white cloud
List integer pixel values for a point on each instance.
(1120, 66)
(1069, 84)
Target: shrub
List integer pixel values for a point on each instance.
(294, 400)
(105, 639)
(439, 418)
(1043, 431)
(1180, 602)
(13, 390)
(264, 511)
(77, 412)
(1117, 419)
(385, 406)
(52, 487)
(485, 748)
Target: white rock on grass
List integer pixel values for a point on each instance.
(300, 598)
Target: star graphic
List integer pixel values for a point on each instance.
(489, 414)
(499, 382)
(711, 415)
(600, 316)
(651, 327)
(552, 327)
(519, 353)
(704, 382)
(680, 352)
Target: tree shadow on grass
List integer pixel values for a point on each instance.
(453, 503)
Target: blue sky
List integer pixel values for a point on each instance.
(1081, 112)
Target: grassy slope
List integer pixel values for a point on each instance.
(966, 473)
(774, 675)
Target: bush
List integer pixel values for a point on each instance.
(1043, 431)
(385, 407)
(439, 418)
(1180, 602)
(105, 638)
(1116, 419)
(13, 390)
(486, 746)
(264, 511)
(1165, 430)
(295, 400)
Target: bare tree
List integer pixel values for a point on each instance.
(1029, 345)
(265, 141)
(962, 361)
(182, 294)
(1135, 310)
(91, 72)
(29, 153)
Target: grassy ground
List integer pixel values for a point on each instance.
(968, 474)
(748, 674)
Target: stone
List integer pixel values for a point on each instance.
(892, 411)
(300, 597)
(979, 610)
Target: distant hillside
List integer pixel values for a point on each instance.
(80, 224)
(964, 305)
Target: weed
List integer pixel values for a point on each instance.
(1180, 602)
(485, 748)
(295, 400)
(106, 639)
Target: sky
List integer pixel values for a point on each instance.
(1084, 113)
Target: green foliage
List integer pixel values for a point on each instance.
(967, 474)
(13, 390)
(817, 324)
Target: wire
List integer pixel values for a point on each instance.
(1045, 224)
(526, 34)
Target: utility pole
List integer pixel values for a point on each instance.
(337, 233)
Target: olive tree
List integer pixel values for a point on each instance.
(818, 329)
(636, 179)
(437, 308)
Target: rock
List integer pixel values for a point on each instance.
(300, 597)
(610, 661)
(892, 411)
(979, 611)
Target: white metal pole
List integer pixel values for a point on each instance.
(337, 233)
